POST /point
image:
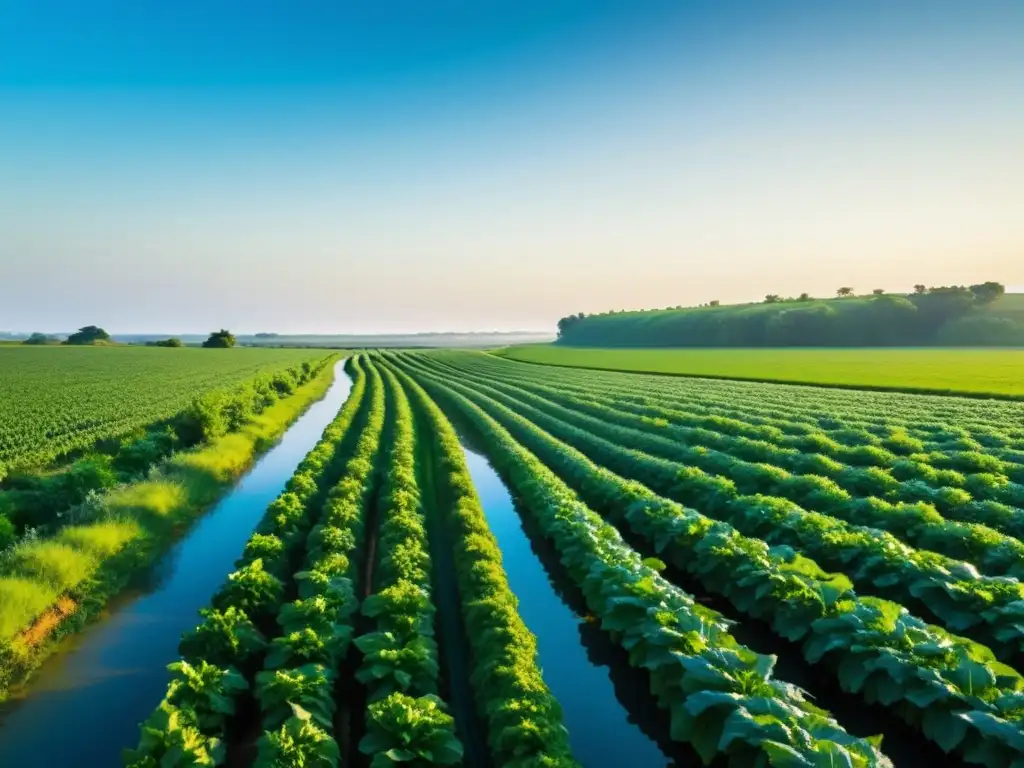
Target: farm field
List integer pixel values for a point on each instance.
(776, 575)
(980, 372)
(62, 557)
(56, 400)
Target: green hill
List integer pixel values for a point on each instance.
(949, 316)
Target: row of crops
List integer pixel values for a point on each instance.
(883, 548)
(920, 607)
(322, 645)
(55, 401)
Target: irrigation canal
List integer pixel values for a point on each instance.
(611, 716)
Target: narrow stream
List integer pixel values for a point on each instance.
(87, 700)
(602, 731)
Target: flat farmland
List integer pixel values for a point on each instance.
(976, 372)
(55, 400)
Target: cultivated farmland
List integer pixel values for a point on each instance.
(704, 531)
(73, 536)
(56, 400)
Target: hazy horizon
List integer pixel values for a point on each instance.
(458, 167)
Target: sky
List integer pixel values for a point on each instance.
(400, 165)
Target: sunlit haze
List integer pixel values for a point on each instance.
(412, 166)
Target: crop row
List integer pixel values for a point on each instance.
(869, 494)
(939, 463)
(954, 690)
(950, 478)
(523, 719)
(883, 421)
(249, 638)
(721, 695)
(57, 401)
(331, 606)
(992, 608)
(994, 423)
(406, 720)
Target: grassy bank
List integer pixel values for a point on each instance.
(53, 587)
(974, 372)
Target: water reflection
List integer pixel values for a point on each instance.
(611, 718)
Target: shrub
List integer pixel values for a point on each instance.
(90, 334)
(221, 339)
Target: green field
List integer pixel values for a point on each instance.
(55, 400)
(949, 371)
(380, 607)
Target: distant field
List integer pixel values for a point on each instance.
(997, 372)
(54, 400)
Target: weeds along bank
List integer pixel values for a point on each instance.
(323, 644)
(53, 585)
(955, 692)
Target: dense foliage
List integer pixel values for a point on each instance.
(221, 339)
(90, 334)
(631, 447)
(333, 594)
(941, 315)
(55, 401)
(45, 501)
(53, 582)
(880, 536)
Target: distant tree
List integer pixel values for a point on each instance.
(804, 297)
(90, 334)
(878, 291)
(845, 291)
(986, 293)
(714, 303)
(222, 339)
(38, 339)
(772, 298)
(568, 322)
(171, 342)
(920, 289)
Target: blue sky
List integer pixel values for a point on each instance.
(409, 166)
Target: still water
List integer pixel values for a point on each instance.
(87, 700)
(611, 718)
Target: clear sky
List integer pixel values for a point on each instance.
(402, 165)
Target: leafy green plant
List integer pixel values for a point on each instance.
(207, 691)
(391, 663)
(310, 687)
(307, 646)
(251, 589)
(224, 638)
(414, 731)
(266, 547)
(298, 742)
(317, 613)
(171, 739)
(400, 608)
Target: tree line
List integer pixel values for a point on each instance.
(92, 335)
(941, 315)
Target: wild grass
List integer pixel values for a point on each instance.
(22, 600)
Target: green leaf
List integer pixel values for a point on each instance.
(784, 756)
